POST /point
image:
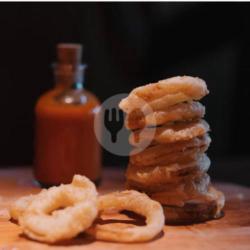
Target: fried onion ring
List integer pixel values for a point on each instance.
(133, 201)
(165, 93)
(153, 154)
(198, 210)
(61, 212)
(19, 206)
(179, 131)
(184, 192)
(180, 112)
(173, 173)
(177, 157)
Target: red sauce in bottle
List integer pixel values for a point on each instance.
(65, 142)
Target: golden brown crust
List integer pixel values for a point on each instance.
(162, 159)
(179, 131)
(196, 211)
(165, 154)
(165, 93)
(174, 173)
(133, 201)
(196, 188)
(179, 112)
(41, 220)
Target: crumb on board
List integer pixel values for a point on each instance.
(5, 215)
(240, 196)
(8, 248)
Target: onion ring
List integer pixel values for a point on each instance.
(161, 159)
(184, 192)
(42, 220)
(171, 133)
(206, 208)
(173, 173)
(134, 201)
(179, 112)
(153, 154)
(165, 93)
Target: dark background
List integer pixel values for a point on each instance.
(126, 45)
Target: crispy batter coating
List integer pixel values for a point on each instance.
(133, 201)
(180, 112)
(198, 210)
(196, 188)
(165, 154)
(173, 173)
(59, 213)
(165, 93)
(180, 131)
(18, 208)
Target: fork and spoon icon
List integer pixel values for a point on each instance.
(113, 121)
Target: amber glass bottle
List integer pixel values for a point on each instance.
(65, 142)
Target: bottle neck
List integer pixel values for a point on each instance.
(68, 76)
(77, 86)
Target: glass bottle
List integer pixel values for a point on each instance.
(65, 142)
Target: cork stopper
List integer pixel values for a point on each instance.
(68, 68)
(69, 54)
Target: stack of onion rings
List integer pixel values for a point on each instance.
(170, 139)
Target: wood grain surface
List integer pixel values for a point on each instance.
(230, 232)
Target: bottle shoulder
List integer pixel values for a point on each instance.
(91, 96)
(52, 101)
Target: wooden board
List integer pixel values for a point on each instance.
(230, 232)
